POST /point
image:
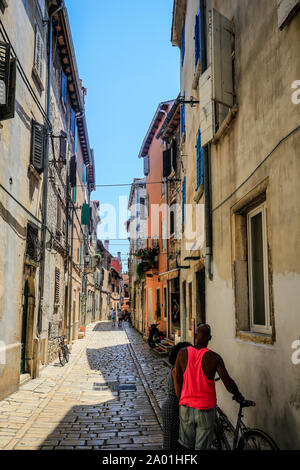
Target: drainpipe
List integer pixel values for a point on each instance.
(208, 213)
(46, 173)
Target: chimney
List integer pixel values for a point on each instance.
(106, 245)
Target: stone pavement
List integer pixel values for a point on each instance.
(76, 407)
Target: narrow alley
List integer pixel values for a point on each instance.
(79, 407)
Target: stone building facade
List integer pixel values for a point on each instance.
(239, 63)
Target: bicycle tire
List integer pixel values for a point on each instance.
(67, 353)
(61, 357)
(255, 434)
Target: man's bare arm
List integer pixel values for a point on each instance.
(178, 374)
(228, 381)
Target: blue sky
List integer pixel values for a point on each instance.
(127, 63)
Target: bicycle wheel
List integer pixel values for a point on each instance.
(61, 357)
(66, 353)
(255, 439)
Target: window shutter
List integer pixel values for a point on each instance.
(174, 155)
(286, 9)
(38, 139)
(222, 80)
(63, 148)
(73, 169)
(199, 153)
(182, 116)
(183, 42)
(83, 173)
(63, 86)
(197, 39)
(72, 121)
(8, 112)
(166, 163)
(202, 37)
(85, 214)
(39, 53)
(207, 108)
(183, 199)
(146, 166)
(4, 72)
(57, 287)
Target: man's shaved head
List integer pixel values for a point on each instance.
(203, 335)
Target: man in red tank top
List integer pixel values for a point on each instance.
(194, 380)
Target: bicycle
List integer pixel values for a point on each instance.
(228, 437)
(63, 351)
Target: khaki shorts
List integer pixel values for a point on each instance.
(196, 429)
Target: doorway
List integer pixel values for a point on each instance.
(24, 328)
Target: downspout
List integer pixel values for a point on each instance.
(46, 173)
(208, 213)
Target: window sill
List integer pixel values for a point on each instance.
(257, 338)
(38, 79)
(199, 192)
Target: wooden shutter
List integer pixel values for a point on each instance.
(63, 148)
(167, 163)
(174, 155)
(199, 153)
(38, 139)
(72, 121)
(197, 39)
(207, 108)
(8, 112)
(286, 9)
(182, 116)
(63, 86)
(183, 199)
(221, 60)
(182, 42)
(57, 287)
(146, 166)
(39, 54)
(73, 169)
(4, 72)
(202, 36)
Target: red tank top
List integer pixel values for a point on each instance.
(197, 391)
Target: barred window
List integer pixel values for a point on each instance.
(32, 243)
(57, 286)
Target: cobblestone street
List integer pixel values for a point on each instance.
(77, 406)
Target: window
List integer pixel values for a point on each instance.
(190, 312)
(32, 243)
(38, 65)
(57, 287)
(38, 140)
(146, 166)
(63, 148)
(172, 218)
(8, 67)
(165, 303)
(258, 269)
(200, 38)
(199, 163)
(183, 42)
(58, 221)
(64, 87)
(158, 306)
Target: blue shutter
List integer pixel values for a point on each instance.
(72, 121)
(64, 86)
(202, 37)
(182, 117)
(197, 39)
(200, 169)
(182, 42)
(183, 199)
(83, 173)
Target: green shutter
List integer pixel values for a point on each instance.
(85, 214)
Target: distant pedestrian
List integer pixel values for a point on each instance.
(120, 317)
(113, 317)
(170, 407)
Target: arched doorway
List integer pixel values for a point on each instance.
(24, 328)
